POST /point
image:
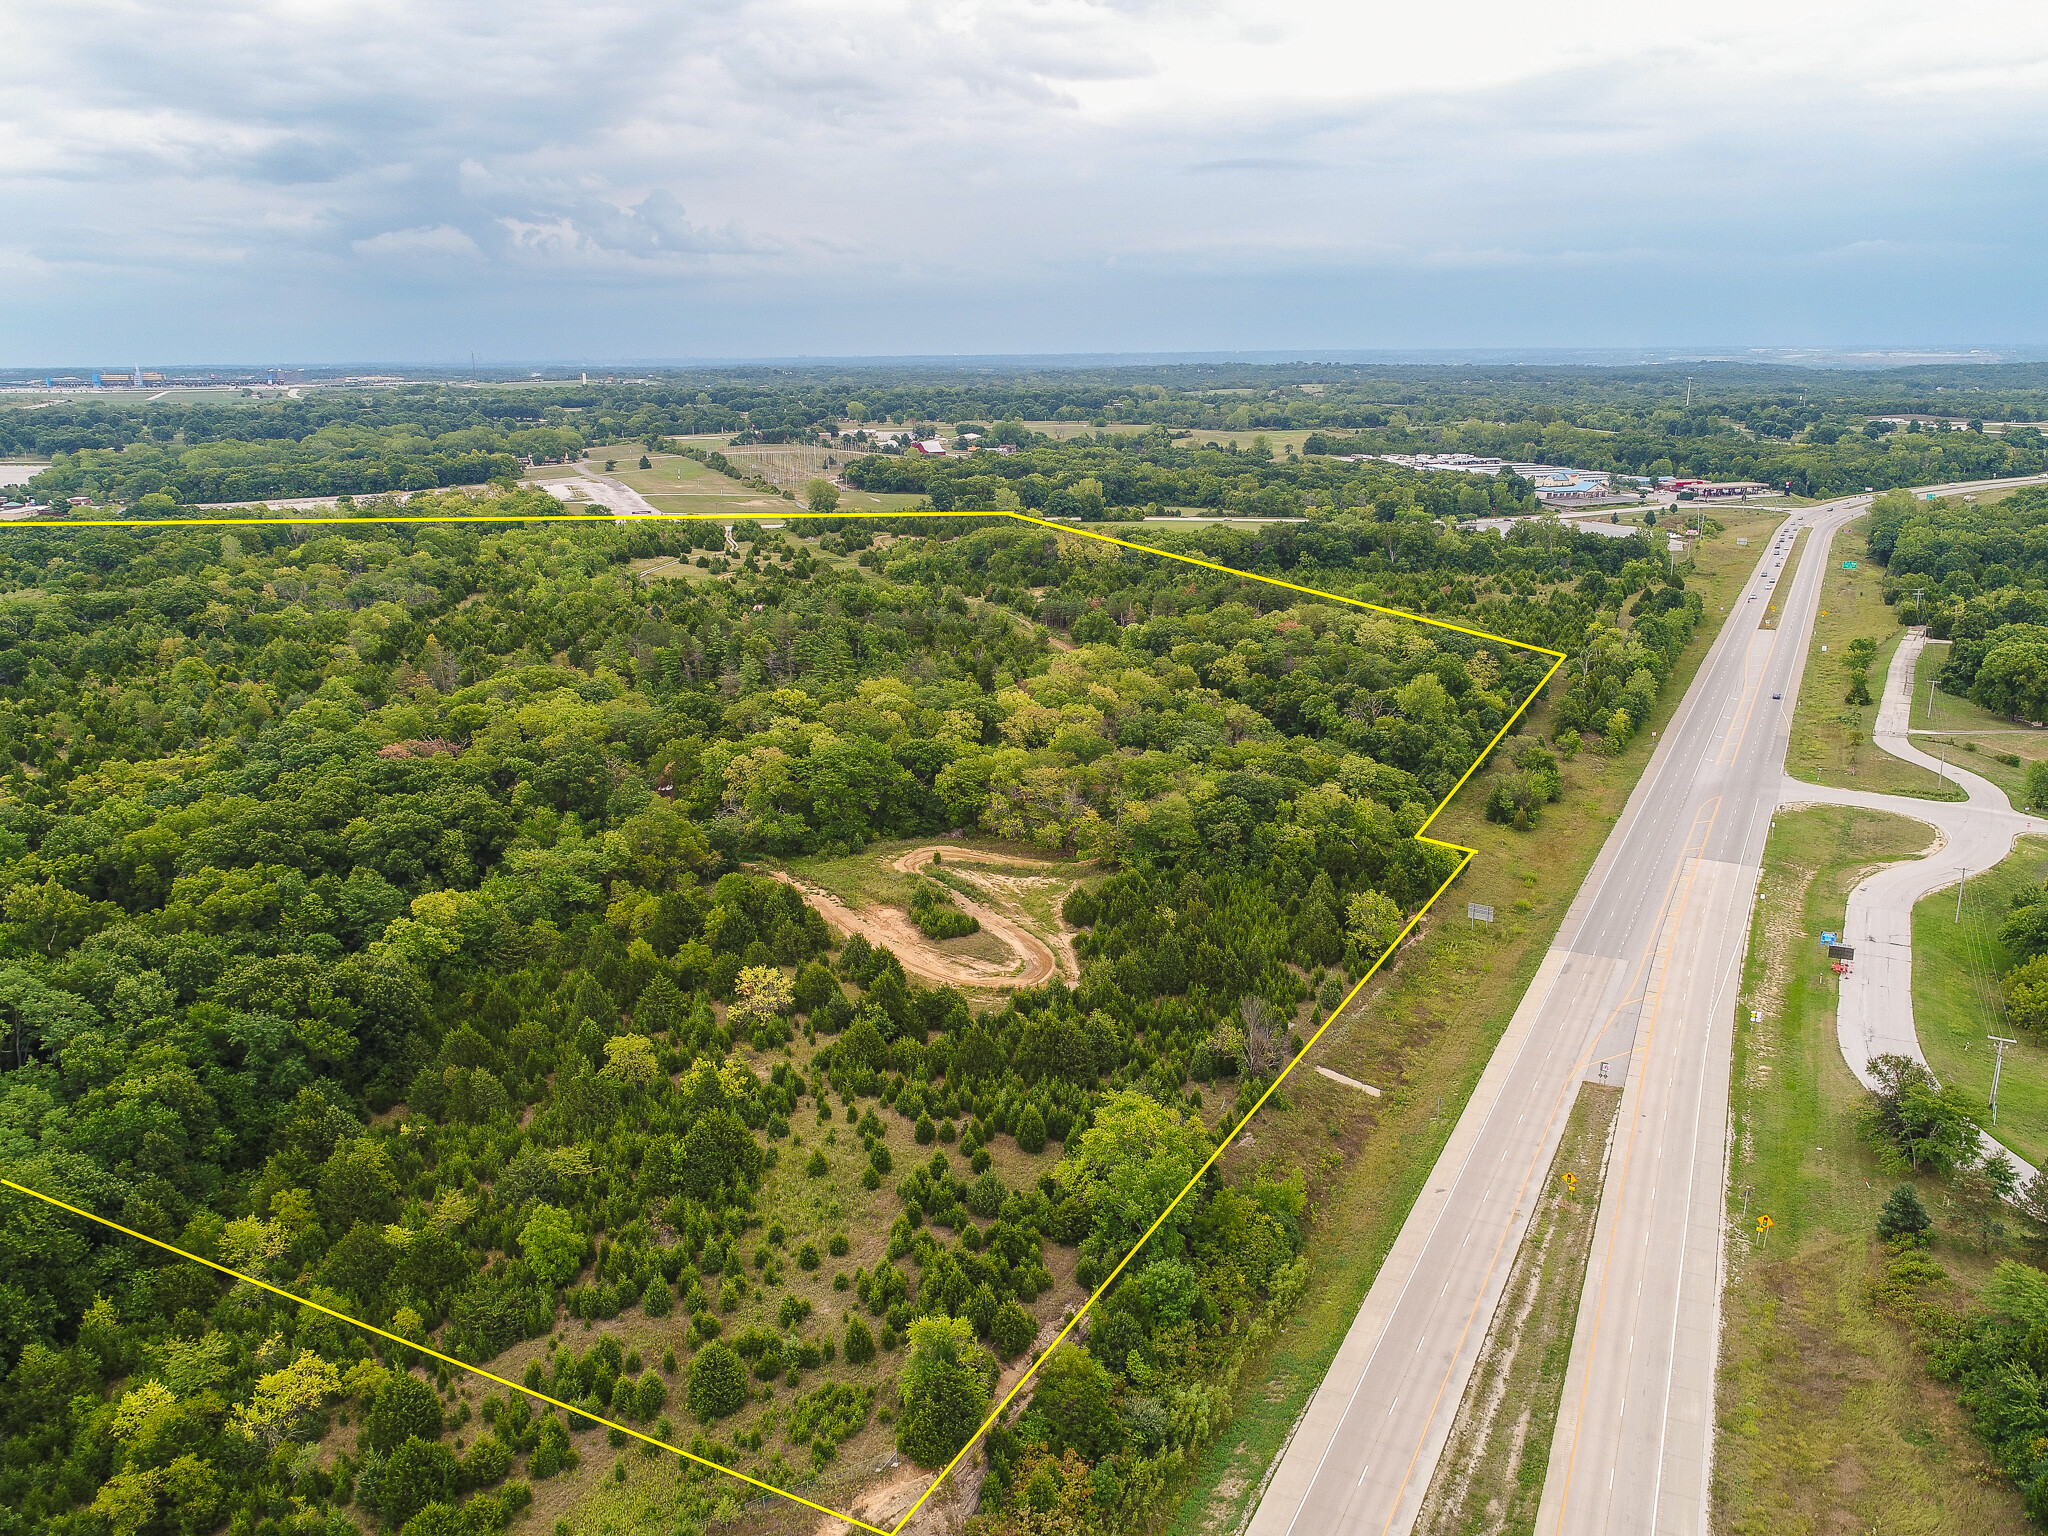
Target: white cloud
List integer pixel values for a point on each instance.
(430, 242)
(792, 175)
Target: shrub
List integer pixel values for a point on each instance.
(814, 989)
(817, 1167)
(1903, 1214)
(838, 1246)
(1012, 1330)
(944, 1390)
(718, 1383)
(860, 1343)
(487, 1462)
(1031, 1130)
(405, 1407)
(551, 1454)
(985, 1195)
(553, 1244)
(925, 1132)
(657, 1300)
(807, 1256)
(650, 1396)
(932, 909)
(419, 1473)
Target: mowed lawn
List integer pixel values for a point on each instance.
(1957, 1000)
(1831, 738)
(1829, 1421)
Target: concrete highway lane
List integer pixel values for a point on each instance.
(1637, 991)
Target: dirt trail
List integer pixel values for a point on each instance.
(1063, 940)
(884, 1502)
(1033, 961)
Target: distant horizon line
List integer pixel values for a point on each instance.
(1838, 358)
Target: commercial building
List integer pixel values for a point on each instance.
(1717, 490)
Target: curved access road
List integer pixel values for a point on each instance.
(1874, 1012)
(1641, 980)
(1637, 991)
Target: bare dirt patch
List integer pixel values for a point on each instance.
(1028, 960)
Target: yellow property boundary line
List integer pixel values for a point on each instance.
(1466, 857)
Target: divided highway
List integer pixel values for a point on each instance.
(1638, 990)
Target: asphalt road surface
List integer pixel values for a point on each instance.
(1874, 1011)
(1638, 990)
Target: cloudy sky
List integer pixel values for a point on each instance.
(305, 180)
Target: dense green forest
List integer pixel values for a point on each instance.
(1812, 428)
(1977, 576)
(387, 913)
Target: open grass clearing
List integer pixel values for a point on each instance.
(1831, 738)
(1970, 736)
(1986, 754)
(1828, 1418)
(809, 1208)
(1957, 1001)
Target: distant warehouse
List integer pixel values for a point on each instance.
(1715, 490)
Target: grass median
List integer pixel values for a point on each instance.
(1424, 1035)
(1490, 1476)
(1831, 738)
(1828, 1418)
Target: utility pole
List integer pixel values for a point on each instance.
(1997, 1068)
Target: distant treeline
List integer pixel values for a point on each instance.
(1088, 477)
(1809, 429)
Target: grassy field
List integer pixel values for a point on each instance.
(1491, 1475)
(1987, 744)
(1422, 1033)
(676, 483)
(1957, 1002)
(796, 1208)
(1831, 739)
(1769, 600)
(1829, 1421)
